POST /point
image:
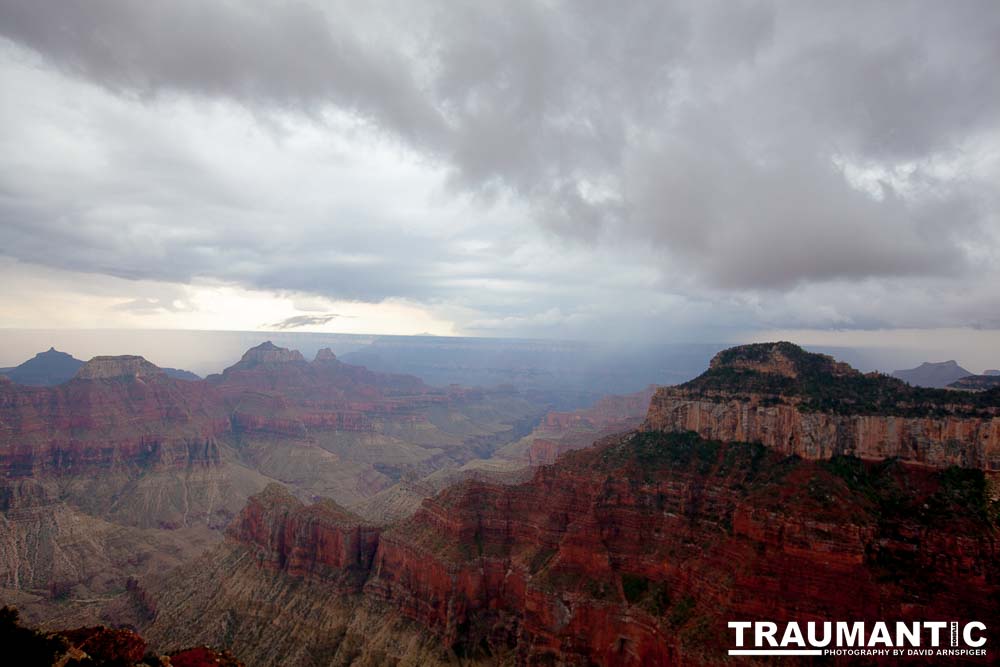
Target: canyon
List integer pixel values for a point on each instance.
(636, 550)
(457, 526)
(125, 471)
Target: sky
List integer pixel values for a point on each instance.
(676, 171)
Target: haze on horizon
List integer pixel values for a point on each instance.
(665, 171)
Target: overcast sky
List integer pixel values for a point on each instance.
(675, 171)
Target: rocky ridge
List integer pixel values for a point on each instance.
(983, 382)
(809, 405)
(635, 551)
(124, 471)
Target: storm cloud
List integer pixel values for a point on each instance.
(298, 321)
(525, 167)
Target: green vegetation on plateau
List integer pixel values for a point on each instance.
(822, 385)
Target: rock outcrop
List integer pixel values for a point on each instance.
(126, 366)
(637, 551)
(268, 353)
(117, 413)
(983, 382)
(805, 404)
(97, 645)
(321, 540)
(325, 354)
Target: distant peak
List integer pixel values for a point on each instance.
(105, 368)
(52, 352)
(326, 354)
(269, 353)
(933, 373)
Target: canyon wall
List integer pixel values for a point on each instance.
(119, 412)
(319, 540)
(935, 441)
(637, 551)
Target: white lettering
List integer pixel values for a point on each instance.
(910, 633)
(880, 635)
(739, 626)
(827, 634)
(793, 635)
(766, 630)
(854, 637)
(935, 628)
(967, 634)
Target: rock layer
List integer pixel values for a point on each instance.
(810, 406)
(320, 540)
(939, 442)
(637, 551)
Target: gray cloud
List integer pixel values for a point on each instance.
(734, 148)
(298, 321)
(291, 55)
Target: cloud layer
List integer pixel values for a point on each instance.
(525, 168)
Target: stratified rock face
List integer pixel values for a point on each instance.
(637, 551)
(640, 550)
(804, 404)
(940, 442)
(320, 540)
(126, 366)
(118, 412)
(124, 472)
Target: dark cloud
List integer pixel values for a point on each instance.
(298, 321)
(291, 55)
(734, 146)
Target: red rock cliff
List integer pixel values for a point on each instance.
(816, 408)
(118, 411)
(640, 550)
(320, 540)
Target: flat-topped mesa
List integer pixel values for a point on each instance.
(325, 355)
(267, 353)
(812, 406)
(933, 374)
(125, 366)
